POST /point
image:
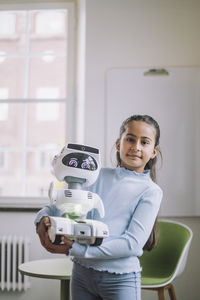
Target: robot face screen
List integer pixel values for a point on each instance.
(80, 160)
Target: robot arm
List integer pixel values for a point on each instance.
(98, 204)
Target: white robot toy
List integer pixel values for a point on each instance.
(78, 166)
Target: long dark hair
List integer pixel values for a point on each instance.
(151, 165)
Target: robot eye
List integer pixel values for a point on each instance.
(80, 161)
(85, 165)
(73, 163)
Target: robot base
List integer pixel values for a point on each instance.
(89, 232)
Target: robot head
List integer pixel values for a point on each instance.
(77, 161)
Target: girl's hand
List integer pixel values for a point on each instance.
(59, 249)
(42, 229)
(46, 242)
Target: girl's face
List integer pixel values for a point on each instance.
(137, 146)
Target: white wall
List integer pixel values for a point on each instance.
(124, 33)
(135, 33)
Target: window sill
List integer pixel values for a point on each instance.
(23, 203)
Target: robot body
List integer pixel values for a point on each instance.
(78, 165)
(84, 232)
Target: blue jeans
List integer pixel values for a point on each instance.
(89, 284)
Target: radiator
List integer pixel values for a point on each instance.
(14, 250)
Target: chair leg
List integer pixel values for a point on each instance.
(171, 292)
(161, 293)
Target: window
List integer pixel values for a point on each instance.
(9, 28)
(50, 23)
(3, 112)
(47, 111)
(3, 161)
(34, 95)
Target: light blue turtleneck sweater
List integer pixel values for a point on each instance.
(131, 201)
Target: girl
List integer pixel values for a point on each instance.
(131, 199)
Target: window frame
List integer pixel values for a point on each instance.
(31, 203)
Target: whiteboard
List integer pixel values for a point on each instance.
(174, 102)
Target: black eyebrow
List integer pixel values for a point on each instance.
(143, 137)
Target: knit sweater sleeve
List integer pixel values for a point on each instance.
(49, 210)
(132, 241)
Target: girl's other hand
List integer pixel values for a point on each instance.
(46, 242)
(62, 248)
(42, 229)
